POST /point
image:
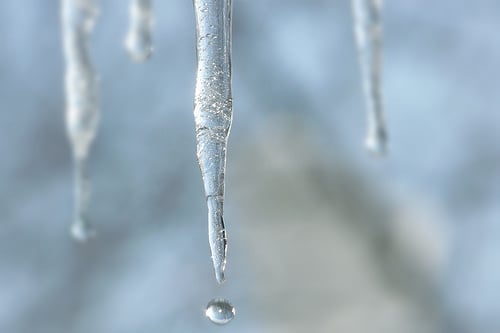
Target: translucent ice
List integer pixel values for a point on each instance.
(82, 102)
(213, 111)
(139, 37)
(368, 31)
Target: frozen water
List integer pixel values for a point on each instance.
(213, 112)
(139, 38)
(81, 229)
(282, 143)
(368, 31)
(82, 104)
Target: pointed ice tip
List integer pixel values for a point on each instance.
(140, 56)
(81, 231)
(137, 50)
(217, 236)
(376, 145)
(220, 276)
(219, 259)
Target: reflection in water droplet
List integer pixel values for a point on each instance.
(220, 311)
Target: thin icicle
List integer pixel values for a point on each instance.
(368, 31)
(82, 103)
(139, 38)
(213, 112)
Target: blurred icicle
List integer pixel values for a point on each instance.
(368, 31)
(139, 37)
(82, 102)
(213, 112)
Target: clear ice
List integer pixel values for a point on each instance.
(220, 311)
(82, 102)
(213, 112)
(139, 37)
(368, 32)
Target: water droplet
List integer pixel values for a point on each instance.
(220, 311)
(81, 231)
(376, 144)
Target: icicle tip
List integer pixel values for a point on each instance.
(376, 144)
(220, 275)
(81, 231)
(138, 53)
(218, 247)
(217, 237)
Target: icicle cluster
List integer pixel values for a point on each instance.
(368, 31)
(139, 38)
(213, 112)
(213, 105)
(82, 102)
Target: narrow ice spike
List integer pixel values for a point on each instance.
(81, 230)
(213, 111)
(368, 31)
(139, 37)
(82, 102)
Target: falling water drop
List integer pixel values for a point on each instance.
(139, 41)
(82, 102)
(220, 311)
(213, 111)
(368, 31)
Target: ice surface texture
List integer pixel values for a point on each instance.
(368, 32)
(82, 102)
(213, 112)
(139, 42)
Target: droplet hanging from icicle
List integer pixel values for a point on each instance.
(82, 102)
(213, 112)
(368, 32)
(139, 42)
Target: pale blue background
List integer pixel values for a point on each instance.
(323, 238)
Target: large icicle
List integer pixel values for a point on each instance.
(213, 109)
(82, 103)
(139, 41)
(368, 31)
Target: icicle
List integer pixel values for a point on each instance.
(82, 105)
(139, 41)
(213, 109)
(368, 31)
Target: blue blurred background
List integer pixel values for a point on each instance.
(322, 237)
